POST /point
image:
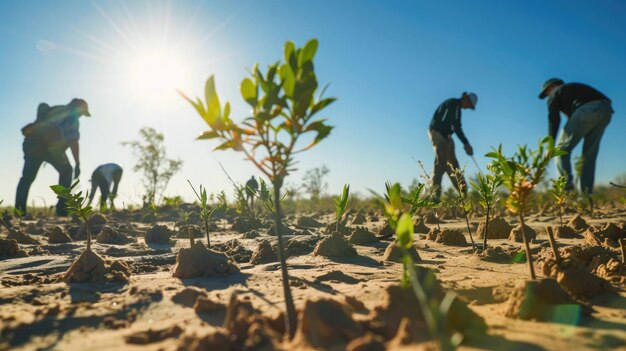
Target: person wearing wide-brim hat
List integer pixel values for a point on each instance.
(589, 112)
(445, 122)
(46, 140)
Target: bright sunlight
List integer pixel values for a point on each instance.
(154, 75)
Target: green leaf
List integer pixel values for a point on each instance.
(308, 52)
(288, 79)
(212, 101)
(290, 47)
(404, 231)
(209, 134)
(249, 91)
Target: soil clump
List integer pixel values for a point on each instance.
(91, 267)
(499, 228)
(198, 261)
(158, 234)
(58, 235)
(334, 245)
(264, 253)
(394, 254)
(362, 236)
(516, 233)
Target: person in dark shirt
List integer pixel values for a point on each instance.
(445, 122)
(589, 113)
(103, 177)
(46, 140)
(251, 188)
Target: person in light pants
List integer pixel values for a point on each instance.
(589, 113)
(103, 177)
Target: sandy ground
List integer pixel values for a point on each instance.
(85, 316)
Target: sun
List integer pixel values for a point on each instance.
(155, 74)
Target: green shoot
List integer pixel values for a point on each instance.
(487, 189)
(76, 204)
(341, 203)
(463, 201)
(205, 210)
(520, 175)
(283, 103)
(559, 193)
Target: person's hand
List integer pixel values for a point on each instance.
(76, 171)
(469, 150)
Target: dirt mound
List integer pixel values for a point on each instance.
(579, 282)
(244, 224)
(251, 234)
(91, 267)
(284, 230)
(184, 231)
(543, 300)
(614, 271)
(58, 235)
(22, 238)
(431, 218)
(38, 251)
(394, 254)
(325, 324)
(609, 235)
(385, 232)
(498, 254)
(499, 228)
(309, 222)
(337, 276)
(332, 227)
(433, 233)
(235, 250)
(198, 261)
(109, 235)
(578, 223)
(400, 303)
(420, 227)
(301, 246)
(358, 218)
(264, 253)
(516, 233)
(158, 234)
(9, 249)
(451, 237)
(334, 245)
(362, 236)
(565, 232)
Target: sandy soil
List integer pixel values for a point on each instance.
(150, 312)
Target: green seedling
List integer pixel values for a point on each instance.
(241, 202)
(2, 222)
(418, 198)
(435, 314)
(205, 210)
(341, 203)
(283, 103)
(463, 201)
(520, 175)
(487, 188)
(432, 191)
(76, 204)
(559, 194)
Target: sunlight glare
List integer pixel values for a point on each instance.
(154, 75)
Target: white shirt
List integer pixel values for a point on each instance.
(107, 171)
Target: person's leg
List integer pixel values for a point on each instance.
(573, 131)
(591, 146)
(452, 166)
(63, 166)
(440, 147)
(32, 162)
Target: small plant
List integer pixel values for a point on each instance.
(152, 160)
(283, 105)
(435, 312)
(463, 201)
(76, 204)
(520, 175)
(487, 188)
(341, 203)
(559, 193)
(205, 210)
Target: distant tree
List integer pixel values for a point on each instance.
(152, 161)
(314, 182)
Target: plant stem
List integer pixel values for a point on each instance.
(469, 230)
(206, 230)
(529, 258)
(190, 234)
(557, 257)
(291, 321)
(561, 214)
(88, 226)
(486, 229)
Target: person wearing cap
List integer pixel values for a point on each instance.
(445, 122)
(103, 177)
(589, 112)
(46, 140)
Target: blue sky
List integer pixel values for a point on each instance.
(389, 64)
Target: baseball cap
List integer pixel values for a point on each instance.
(473, 98)
(547, 84)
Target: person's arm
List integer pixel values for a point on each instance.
(76, 154)
(554, 118)
(93, 191)
(456, 124)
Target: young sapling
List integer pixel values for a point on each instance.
(76, 204)
(205, 210)
(487, 189)
(464, 203)
(341, 203)
(560, 195)
(283, 103)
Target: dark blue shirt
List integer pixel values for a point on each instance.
(447, 119)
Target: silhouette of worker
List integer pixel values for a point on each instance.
(251, 188)
(589, 113)
(103, 177)
(445, 122)
(46, 140)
